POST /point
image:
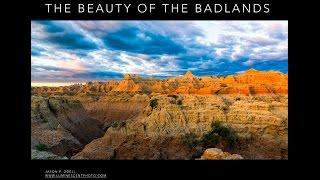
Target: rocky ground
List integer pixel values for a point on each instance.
(138, 118)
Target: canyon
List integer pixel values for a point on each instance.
(148, 118)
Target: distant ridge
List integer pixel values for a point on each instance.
(250, 82)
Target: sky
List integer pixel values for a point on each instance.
(81, 51)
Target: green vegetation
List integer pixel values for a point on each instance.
(218, 134)
(44, 120)
(117, 124)
(154, 103)
(114, 124)
(41, 147)
(191, 140)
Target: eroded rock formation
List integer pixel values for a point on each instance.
(250, 82)
(61, 124)
(262, 117)
(149, 118)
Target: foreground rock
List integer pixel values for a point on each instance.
(119, 145)
(61, 125)
(218, 154)
(45, 155)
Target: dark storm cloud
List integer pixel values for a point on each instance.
(133, 40)
(65, 37)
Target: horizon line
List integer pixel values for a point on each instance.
(68, 83)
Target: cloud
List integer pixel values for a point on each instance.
(99, 28)
(59, 34)
(238, 52)
(146, 42)
(98, 50)
(238, 39)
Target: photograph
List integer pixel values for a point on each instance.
(159, 90)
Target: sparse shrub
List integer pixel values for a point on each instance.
(114, 124)
(211, 138)
(154, 103)
(198, 151)
(117, 124)
(122, 124)
(218, 134)
(44, 120)
(224, 133)
(179, 102)
(41, 147)
(190, 139)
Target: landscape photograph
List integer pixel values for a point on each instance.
(159, 90)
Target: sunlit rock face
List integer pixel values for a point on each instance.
(251, 82)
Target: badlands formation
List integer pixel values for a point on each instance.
(146, 118)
